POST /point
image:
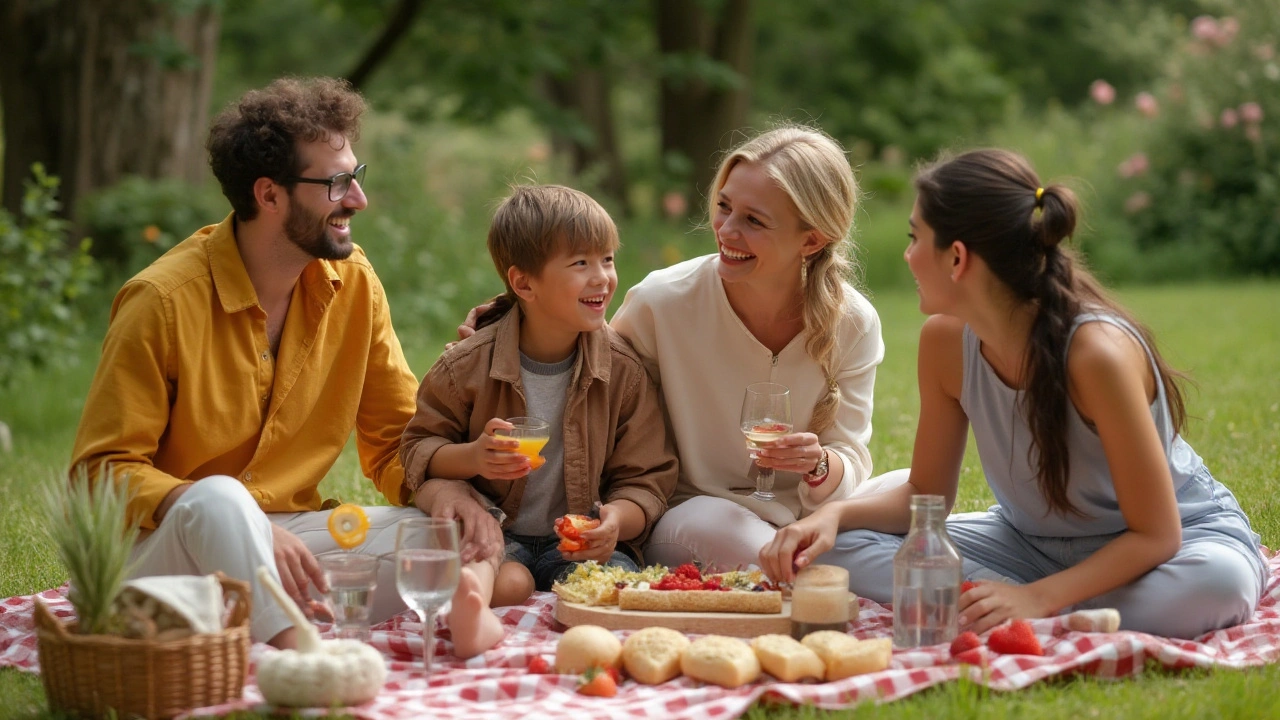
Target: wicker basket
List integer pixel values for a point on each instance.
(88, 674)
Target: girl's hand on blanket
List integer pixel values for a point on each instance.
(495, 456)
(297, 567)
(991, 603)
(799, 544)
(601, 541)
(797, 453)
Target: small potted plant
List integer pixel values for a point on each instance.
(105, 660)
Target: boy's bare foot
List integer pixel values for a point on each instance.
(472, 624)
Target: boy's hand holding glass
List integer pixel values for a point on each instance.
(531, 435)
(601, 541)
(497, 453)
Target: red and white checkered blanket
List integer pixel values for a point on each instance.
(498, 684)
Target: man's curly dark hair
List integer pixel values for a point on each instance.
(258, 135)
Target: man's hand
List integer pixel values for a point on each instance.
(481, 534)
(297, 567)
(495, 456)
(468, 326)
(601, 541)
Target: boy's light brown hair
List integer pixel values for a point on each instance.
(537, 222)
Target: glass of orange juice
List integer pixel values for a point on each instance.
(533, 434)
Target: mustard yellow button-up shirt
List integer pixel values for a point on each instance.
(187, 386)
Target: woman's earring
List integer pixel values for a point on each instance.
(804, 271)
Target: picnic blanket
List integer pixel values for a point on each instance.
(498, 683)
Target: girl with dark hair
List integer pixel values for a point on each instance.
(1077, 420)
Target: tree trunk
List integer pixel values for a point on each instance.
(99, 90)
(399, 22)
(588, 94)
(698, 117)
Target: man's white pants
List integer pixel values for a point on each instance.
(218, 526)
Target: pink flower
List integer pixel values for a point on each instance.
(1134, 165)
(1264, 52)
(1146, 104)
(1253, 132)
(1137, 202)
(1204, 28)
(1102, 92)
(1228, 28)
(1251, 112)
(1229, 118)
(674, 205)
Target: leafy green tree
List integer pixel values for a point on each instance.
(40, 281)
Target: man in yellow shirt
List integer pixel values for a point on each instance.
(236, 366)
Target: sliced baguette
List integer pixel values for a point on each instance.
(785, 658)
(652, 655)
(846, 656)
(724, 661)
(733, 601)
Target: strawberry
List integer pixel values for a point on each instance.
(967, 585)
(538, 665)
(973, 656)
(688, 570)
(966, 640)
(614, 673)
(597, 683)
(1016, 638)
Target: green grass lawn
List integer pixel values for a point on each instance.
(1223, 334)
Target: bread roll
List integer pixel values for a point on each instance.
(652, 655)
(724, 661)
(785, 658)
(739, 601)
(586, 646)
(845, 656)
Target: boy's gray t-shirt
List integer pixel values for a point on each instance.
(546, 387)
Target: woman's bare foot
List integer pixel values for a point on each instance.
(472, 624)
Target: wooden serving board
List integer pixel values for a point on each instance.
(746, 625)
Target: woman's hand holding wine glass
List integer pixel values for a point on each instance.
(766, 417)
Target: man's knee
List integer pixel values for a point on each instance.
(219, 497)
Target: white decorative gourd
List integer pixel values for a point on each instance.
(320, 673)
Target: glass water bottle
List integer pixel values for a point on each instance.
(926, 578)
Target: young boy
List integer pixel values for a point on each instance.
(544, 350)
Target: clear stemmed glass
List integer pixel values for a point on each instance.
(427, 572)
(766, 416)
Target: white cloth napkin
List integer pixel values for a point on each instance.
(197, 598)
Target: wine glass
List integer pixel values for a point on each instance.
(427, 571)
(766, 416)
(532, 433)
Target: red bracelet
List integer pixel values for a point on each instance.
(820, 472)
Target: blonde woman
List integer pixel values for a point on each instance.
(773, 303)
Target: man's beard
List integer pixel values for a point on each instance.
(310, 233)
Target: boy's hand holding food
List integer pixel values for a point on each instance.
(583, 538)
(495, 456)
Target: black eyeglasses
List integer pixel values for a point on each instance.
(338, 184)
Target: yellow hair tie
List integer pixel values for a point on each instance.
(1039, 194)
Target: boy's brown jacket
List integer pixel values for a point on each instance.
(615, 440)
